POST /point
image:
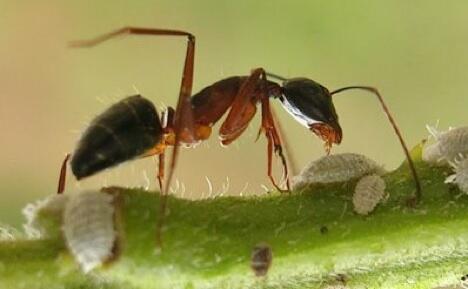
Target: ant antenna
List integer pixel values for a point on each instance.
(272, 75)
(397, 131)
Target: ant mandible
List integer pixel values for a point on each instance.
(131, 128)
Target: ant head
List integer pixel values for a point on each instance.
(311, 105)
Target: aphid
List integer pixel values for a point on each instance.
(369, 192)
(131, 128)
(448, 147)
(89, 230)
(337, 168)
(460, 177)
(261, 259)
(431, 154)
(7, 233)
(51, 206)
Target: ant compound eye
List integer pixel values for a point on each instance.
(88, 226)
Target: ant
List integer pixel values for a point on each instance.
(132, 128)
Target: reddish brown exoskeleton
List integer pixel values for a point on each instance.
(132, 128)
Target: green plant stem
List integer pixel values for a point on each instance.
(315, 236)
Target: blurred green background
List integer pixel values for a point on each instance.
(415, 52)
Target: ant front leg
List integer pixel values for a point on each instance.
(243, 110)
(274, 141)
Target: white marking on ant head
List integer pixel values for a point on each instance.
(369, 191)
(88, 227)
(297, 114)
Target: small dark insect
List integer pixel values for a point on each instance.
(464, 282)
(261, 259)
(323, 230)
(131, 128)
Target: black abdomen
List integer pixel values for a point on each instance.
(124, 131)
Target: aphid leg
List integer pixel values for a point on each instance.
(63, 175)
(397, 131)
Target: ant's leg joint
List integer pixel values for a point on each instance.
(278, 149)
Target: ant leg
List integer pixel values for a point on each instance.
(128, 30)
(183, 122)
(162, 201)
(183, 119)
(161, 171)
(242, 111)
(272, 135)
(282, 136)
(63, 175)
(271, 132)
(397, 132)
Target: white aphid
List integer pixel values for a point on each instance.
(431, 154)
(337, 168)
(369, 191)
(460, 177)
(53, 205)
(448, 147)
(88, 227)
(8, 233)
